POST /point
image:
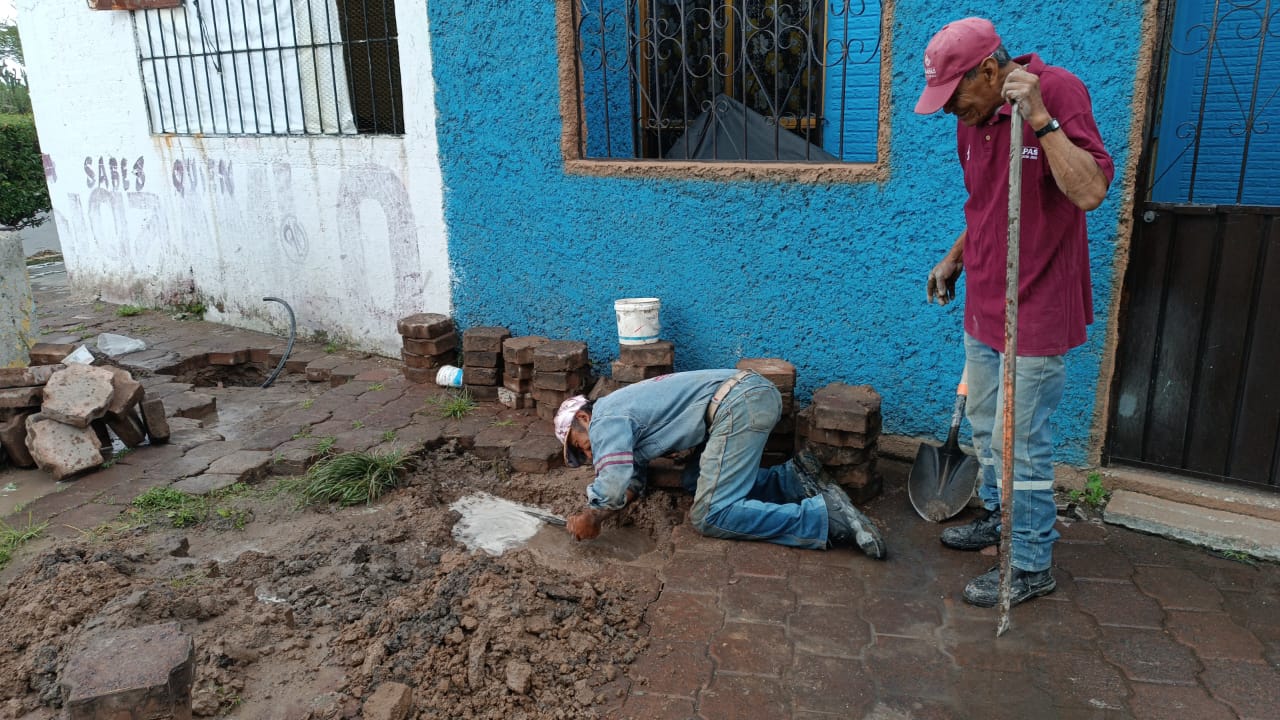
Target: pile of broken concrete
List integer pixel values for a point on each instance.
(61, 417)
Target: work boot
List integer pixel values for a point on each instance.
(847, 526)
(810, 473)
(983, 532)
(984, 590)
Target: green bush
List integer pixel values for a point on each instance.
(23, 192)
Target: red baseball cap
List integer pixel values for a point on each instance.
(955, 50)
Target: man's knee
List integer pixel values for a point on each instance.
(704, 522)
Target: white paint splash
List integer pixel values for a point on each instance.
(493, 524)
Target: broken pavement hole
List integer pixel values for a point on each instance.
(245, 375)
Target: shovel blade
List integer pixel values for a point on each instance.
(941, 482)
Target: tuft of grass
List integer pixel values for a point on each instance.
(456, 405)
(302, 434)
(12, 538)
(389, 436)
(306, 404)
(178, 508)
(194, 308)
(331, 347)
(357, 424)
(503, 423)
(1095, 495)
(352, 478)
(324, 445)
(129, 310)
(376, 387)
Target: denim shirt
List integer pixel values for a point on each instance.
(640, 422)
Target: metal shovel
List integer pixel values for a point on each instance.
(943, 478)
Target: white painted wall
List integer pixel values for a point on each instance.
(350, 231)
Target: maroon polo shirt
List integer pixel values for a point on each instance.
(1055, 293)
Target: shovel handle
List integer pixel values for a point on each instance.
(1008, 384)
(957, 413)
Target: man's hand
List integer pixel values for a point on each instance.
(584, 525)
(1023, 88)
(942, 280)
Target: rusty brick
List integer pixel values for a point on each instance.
(484, 339)
(155, 422)
(422, 376)
(472, 375)
(435, 346)
(484, 359)
(318, 370)
(537, 454)
(13, 436)
(262, 355)
(623, 372)
(27, 376)
(144, 672)
(50, 353)
(128, 427)
(23, 397)
(662, 353)
(298, 361)
(420, 362)
(483, 393)
(776, 370)
(518, 372)
(560, 355)
(572, 381)
(516, 385)
(125, 391)
(519, 350)
(847, 408)
(233, 357)
(424, 326)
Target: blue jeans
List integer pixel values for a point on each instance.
(1039, 385)
(736, 498)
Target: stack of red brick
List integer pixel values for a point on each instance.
(842, 429)
(430, 343)
(482, 360)
(61, 417)
(642, 362)
(782, 441)
(517, 371)
(561, 369)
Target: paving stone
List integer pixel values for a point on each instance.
(642, 706)
(684, 616)
(298, 360)
(805, 430)
(695, 572)
(472, 375)
(345, 373)
(143, 672)
(751, 648)
(571, 381)
(13, 437)
(833, 631)
(514, 399)
(43, 353)
(77, 395)
(28, 376)
(1250, 689)
(821, 585)
(536, 454)
(238, 356)
(447, 343)
(686, 539)
(910, 668)
(743, 698)
(902, 614)
(838, 455)
(836, 686)
(1178, 589)
(765, 559)
(245, 465)
(62, 450)
(154, 421)
(484, 339)
(162, 390)
(519, 350)
(518, 372)
(21, 398)
(662, 352)
(424, 326)
(1149, 656)
(1162, 702)
(495, 441)
(757, 599)
(391, 701)
(486, 359)
(1214, 635)
(672, 667)
(190, 405)
(186, 435)
(622, 372)
(559, 356)
(128, 427)
(321, 368)
(483, 393)
(1087, 562)
(847, 408)
(422, 376)
(205, 483)
(1118, 604)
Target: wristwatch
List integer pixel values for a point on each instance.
(1053, 125)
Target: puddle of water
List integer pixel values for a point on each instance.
(494, 524)
(19, 487)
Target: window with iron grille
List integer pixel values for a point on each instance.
(729, 80)
(272, 67)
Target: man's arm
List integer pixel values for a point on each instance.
(942, 279)
(586, 525)
(1075, 171)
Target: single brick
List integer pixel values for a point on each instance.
(839, 438)
(126, 392)
(23, 397)
(78, 395)
(233, 357)
(60, 449)
(855, 476)
(536, 454)
(144, 672)
(515, 400)
(50, 353)
(298, 360)
(662, 352)
(550, 398)
(623, 372)
(422, 376)
(318, 370)
(192, 405)
(838, 455)
(788, 402)
(424, 326)
(153, 418)
(775, 370)
(343, 374)
(28, 376)
(128, 427)
(472, 375)
(517, 386)
(518, 372)
(848, 408)
(560, 355)
(262, 355)
(493, 442)
(572, 381)
(435, 346)
(483, 393)
(13, 436)
(421, 362)
(482, 358)
(519, 350)
(484, 339)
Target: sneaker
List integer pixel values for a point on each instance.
(983, 532)
(847, 526)
(984, 590)
(810, 473)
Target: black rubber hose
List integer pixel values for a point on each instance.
(293, 333)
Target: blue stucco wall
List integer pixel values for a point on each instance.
(828, 276)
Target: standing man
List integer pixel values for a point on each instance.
(726, 415)
(1065, 172)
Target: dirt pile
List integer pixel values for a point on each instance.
(306, 612)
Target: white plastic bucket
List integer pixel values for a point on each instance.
(638, 322)
(449, 376)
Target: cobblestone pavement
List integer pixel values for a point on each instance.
(1138, 627)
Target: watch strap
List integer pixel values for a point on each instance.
(1048, 128)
